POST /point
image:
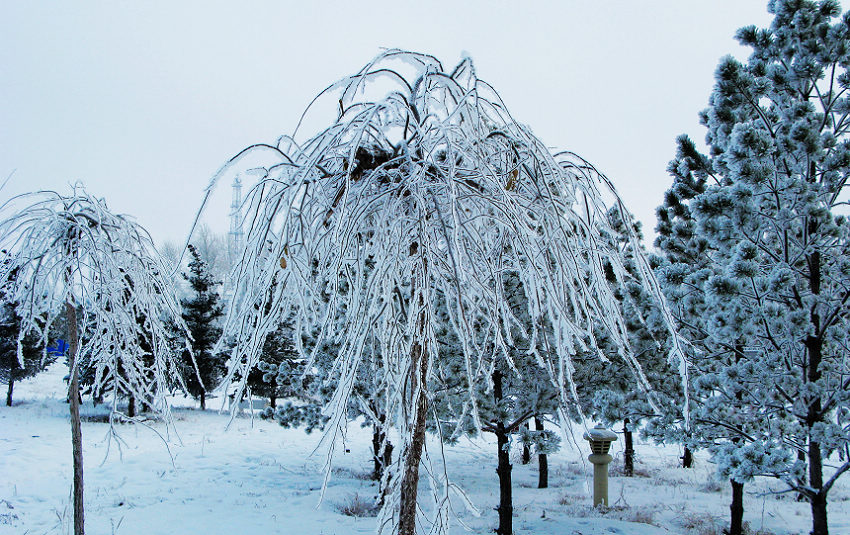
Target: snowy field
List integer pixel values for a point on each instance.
(258, 478)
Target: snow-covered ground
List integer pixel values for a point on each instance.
(258, 478)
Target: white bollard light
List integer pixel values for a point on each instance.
(600, 442)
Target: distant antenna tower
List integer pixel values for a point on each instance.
(236, 237)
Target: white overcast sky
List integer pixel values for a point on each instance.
(143, 101)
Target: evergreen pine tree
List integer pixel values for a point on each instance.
(276, 373)
(506, 392)
(201, 313)
(758, 255)
(34, 360)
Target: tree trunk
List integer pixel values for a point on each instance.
(687, 458)
(11, 387)
(203, 400)
(814, 415)
(378, 438)
(388, 454)
(388, 459)
(76, 427)
(736, 526)
(819, 520)
(526, 451)
(504, 471)
(382, 456)
(818, 500)
(803, 480)
(629, 458)
(273, 401)
(410, 478)
(415, 399)
(131, 406)
(503, 467)
(542, 461)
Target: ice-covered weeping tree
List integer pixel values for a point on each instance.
(424, 187)
(71, 255)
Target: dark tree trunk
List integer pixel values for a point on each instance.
(378, 439)
(736, 526)
(687, 458)
(542, 461)
(818, 500)
(382, 455)
(9, 391)
(504, 471)
(526, 450)
(629, 458)
(131, 406)
(736, 508)
(814, 415)
(388, 459)
(203, 400)
(819, 520)
(410, 478)
(803, 480)
(388, 454)
(76, 427)
(273, 401)
(504, 467)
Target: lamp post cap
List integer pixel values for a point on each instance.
(599, 434)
